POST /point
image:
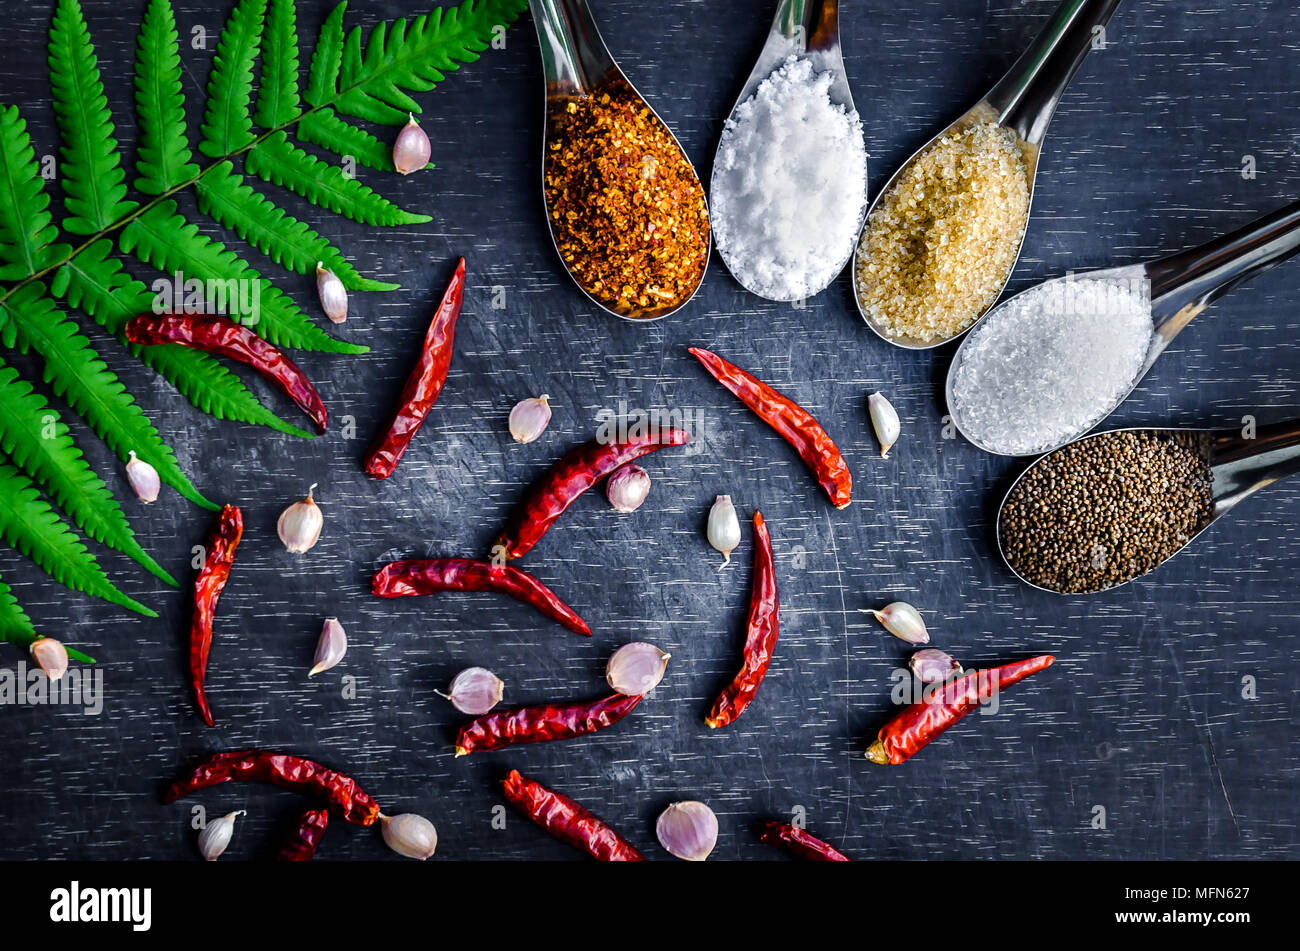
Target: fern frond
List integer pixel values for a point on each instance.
(38, 442)
(94, 184)
(29, 320)
(323, 127)
(277, 90)
(277, 160)
(164, 239)
(284, 239)
(227, 126)
(27, 231)
(326, 60)
(17, 628)
(164, 160)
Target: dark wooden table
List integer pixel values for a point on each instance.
(1146, 714)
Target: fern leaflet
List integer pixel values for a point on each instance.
(164, 161)
(277, 92)
(27, 231)
(227, 126)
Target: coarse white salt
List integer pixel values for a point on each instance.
(1051, 363)
(789, 185)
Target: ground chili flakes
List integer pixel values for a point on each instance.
(627, 210)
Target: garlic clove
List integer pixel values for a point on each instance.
(627, 487)
(300, 524)
(51, 656)
(529, 418)
(330, 648)
(216, 834)
(688, 830)
(636, 668)
(724, 528)
(475, 691)
(931, 666)
(884, 419)
(143, 478)
(412, 149)
(410, 835)
(333, 295)
(903, 621)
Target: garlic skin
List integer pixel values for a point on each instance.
(410, 835)
(904, 622)
(724, 528)
(637, 668)
(475, 691)
(300, 524)
(143, 478)
(627, 487)
(215, 836)
(884, 419)
(688, 830)
(51, 656)
(412, 149)
(333, 295)
(932, 666)
(529, 418)
(331, 647)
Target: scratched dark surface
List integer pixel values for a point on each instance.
(1142, 715)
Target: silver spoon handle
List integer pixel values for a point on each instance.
(1242, 466)
(574, 57)
(1027, 96)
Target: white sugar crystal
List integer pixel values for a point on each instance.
(789, 184)
(1050, 363)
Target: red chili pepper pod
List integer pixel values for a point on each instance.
(798, 427)
(573, 475)
(542, 723)
(760, 642)
(800, 844)
(919, 723)
(568, 821)
(428, 576)
(424, 385)
(224, 337)
(219, 554)
(301, 844)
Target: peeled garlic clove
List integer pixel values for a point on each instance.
(300, 524)
(904, 622)
(724, 527)
(475, 691)
(143, 478)
(636, 668)
(51, 656)
(530, 417)
(331, 647)
(933, 666)
(333, 295)
(411, 151)
(627, 487)
(884, 418)
(216, 835)
(688, 830)
(410, 835)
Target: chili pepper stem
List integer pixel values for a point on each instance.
(712, 723)
(461, 751)
(876, 753)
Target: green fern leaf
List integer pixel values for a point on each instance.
(93, 181)
(38, 442)
(227, 126)
(164, 239)
(284, 239)
(27, 231)
(277, 92)
(326, 59)
(164, 160)
(323, 127)
(17, 628)
(29, 320)
(97, 282)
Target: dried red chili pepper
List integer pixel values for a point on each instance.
(919, 723)
(301, 845)
(541, 723)
(567, 821)
(218, 556)
(760, 642)
(800, 843)
(279, 769)
(428, 576)
(795, 424)
(224, 337)
(573, 475)
(424, 385)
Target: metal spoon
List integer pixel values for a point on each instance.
(1240, 465)
(1180, 286)
(576, 62)
(1023, 101)
(805, 28)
